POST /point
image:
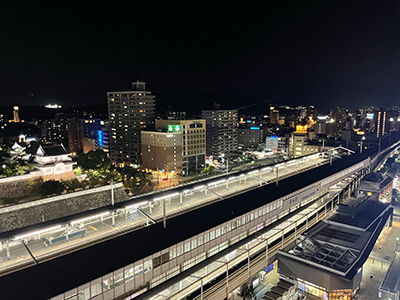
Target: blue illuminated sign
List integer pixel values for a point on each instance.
(270, 267)
(100, 137)
(255, 128)
(274, 137)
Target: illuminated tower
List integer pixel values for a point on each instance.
(16, 114)
(381, 123)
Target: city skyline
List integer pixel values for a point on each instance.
(222, 150)
(325, 54)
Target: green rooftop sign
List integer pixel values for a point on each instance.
(174, 128)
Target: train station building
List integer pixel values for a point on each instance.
(327, 260)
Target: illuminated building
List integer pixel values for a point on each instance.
(250, 135)
(129, 113)
(378, 186)
(325, 126)
(16, 114)
(276, 143)
(193, 141)
(162, 150)
(83, 135)
(222, 134)
(300, 146)
(104, 138)
(54, 130)
(273, 115)
(50, 160)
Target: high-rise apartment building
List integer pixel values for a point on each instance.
(193, 141)
(55, 130)
(129, 112)
(222, 131)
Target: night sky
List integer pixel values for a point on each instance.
(325, 53)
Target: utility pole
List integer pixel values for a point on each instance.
(112, 203)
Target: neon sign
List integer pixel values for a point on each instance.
(100, 137)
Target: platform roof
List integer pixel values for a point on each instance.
(43, 280)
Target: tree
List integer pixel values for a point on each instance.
(52, 188)
(209, 169)
(6, 171)
(78, 171)
(22, 167)
(111, 175)
(134, 180)
(131, 185)
(71, 185)
(95, 160)
(93, 178)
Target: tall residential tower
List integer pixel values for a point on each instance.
(129, 112)
(222, 131)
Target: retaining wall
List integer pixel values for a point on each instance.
(34, 212)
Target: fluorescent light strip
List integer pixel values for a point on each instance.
(90, 218)
(218, 182)
(136, 205)
(166, 197)
(23, 236)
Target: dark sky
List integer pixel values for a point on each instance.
(325, 53)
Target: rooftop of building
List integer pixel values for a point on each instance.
(46, 150)
(359, 212)
(341, 244)
(375, 181)
(161, 131)
(375, 177)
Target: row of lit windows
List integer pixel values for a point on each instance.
(192, 142)
(195, 136)
(193, 152)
